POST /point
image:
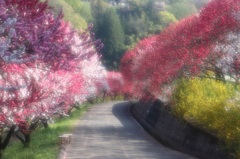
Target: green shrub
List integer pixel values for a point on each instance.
(211, 105)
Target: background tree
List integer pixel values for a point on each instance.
(165, 18)
(112, 36)
(83, 8)
(200, 3)
(182, 9)
(153, 8)
(77, 20)
(115, 83)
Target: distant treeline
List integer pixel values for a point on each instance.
(122, 23)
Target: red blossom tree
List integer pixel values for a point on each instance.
(115, 83)
(126, 65)
(130, 63)
(185, 48)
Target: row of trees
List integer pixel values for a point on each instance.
(46, 66)
(205, 45)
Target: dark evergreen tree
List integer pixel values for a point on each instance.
(112, 34)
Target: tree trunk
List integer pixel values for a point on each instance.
(27, 140)
(4, 144)
(104, 96)
(45, 123)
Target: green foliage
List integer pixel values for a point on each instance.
(137, 24)
(44, 142)
(69, 14)
(152, 9)
(170, 2)
(165, 18)
(182, 9)
(82, 8)
(200, 3)
(112, 35)
(211, 105)
(98, 8)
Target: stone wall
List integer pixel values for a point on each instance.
(177, 134)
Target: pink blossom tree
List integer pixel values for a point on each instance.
(44, 66)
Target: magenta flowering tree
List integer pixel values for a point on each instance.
(135, 82)
(29, 32)
(115, 82)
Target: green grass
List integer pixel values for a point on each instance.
(44, 142)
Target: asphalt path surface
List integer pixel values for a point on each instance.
(108, 131)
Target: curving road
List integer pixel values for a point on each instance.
(108, 131)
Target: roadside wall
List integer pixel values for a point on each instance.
(177, 134)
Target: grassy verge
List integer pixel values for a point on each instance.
(44, 142)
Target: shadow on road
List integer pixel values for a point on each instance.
(139, 138)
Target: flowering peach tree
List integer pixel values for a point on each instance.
(45, 67)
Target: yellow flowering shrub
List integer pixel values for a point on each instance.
(211, 105)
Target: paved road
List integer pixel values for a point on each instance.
(108, 131)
